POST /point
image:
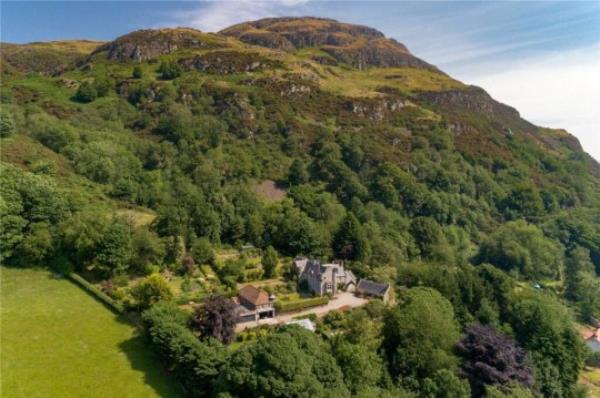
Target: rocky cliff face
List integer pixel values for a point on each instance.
(143, 45)
(471, 99)
(228, 62)
(359, 46)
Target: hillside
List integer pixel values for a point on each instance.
(311, 137)
(48, 58)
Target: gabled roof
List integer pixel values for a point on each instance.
(254, 295)
(373, 288)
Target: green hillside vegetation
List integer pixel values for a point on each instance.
(144, 156)
(45, 57)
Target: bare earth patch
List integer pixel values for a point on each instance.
(269, 191)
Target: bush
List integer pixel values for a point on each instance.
(300, 304)
(138, 72)
(151, 290)
(86, 93)
(7, 125)
(169, 70)
(103, 85)
(94, 291)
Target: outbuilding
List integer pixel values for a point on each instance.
(367, 288)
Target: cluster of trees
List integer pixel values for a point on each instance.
(194, 363)
(417, 348)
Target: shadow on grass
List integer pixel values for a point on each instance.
(142, 359)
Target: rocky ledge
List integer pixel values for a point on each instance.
(357, 45)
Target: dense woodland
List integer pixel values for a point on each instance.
(487, 226)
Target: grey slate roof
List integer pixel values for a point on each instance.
(372, 288)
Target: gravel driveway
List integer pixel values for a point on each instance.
(343, 299)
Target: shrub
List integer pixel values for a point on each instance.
(103, 85)
(138, 72)
(151, 290)
(169, 70)
(86, 93)
(7, 125)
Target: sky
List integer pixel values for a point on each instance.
(541, 57)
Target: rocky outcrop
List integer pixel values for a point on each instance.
(228, 62)
(359, 46)
(471, 99)
(378, 52)
(376, 109)
(143, 45)
(559, 138)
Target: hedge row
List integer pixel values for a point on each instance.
(283, 306)
(94, 291)
(185, 298)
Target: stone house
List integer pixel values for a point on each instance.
(324, 279)
(367, 288)
(253, 304)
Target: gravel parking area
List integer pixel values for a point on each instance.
(343, 299)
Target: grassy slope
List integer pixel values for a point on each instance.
(46, 57)
(59, 342)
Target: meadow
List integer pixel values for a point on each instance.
(57, 341)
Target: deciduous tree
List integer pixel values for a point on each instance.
(492, 358)
(215, 318)
(291, 362)
(419, 335)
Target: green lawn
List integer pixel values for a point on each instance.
(590, 377)
(57, 341)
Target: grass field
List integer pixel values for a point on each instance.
(57, 341)
(590, 377)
